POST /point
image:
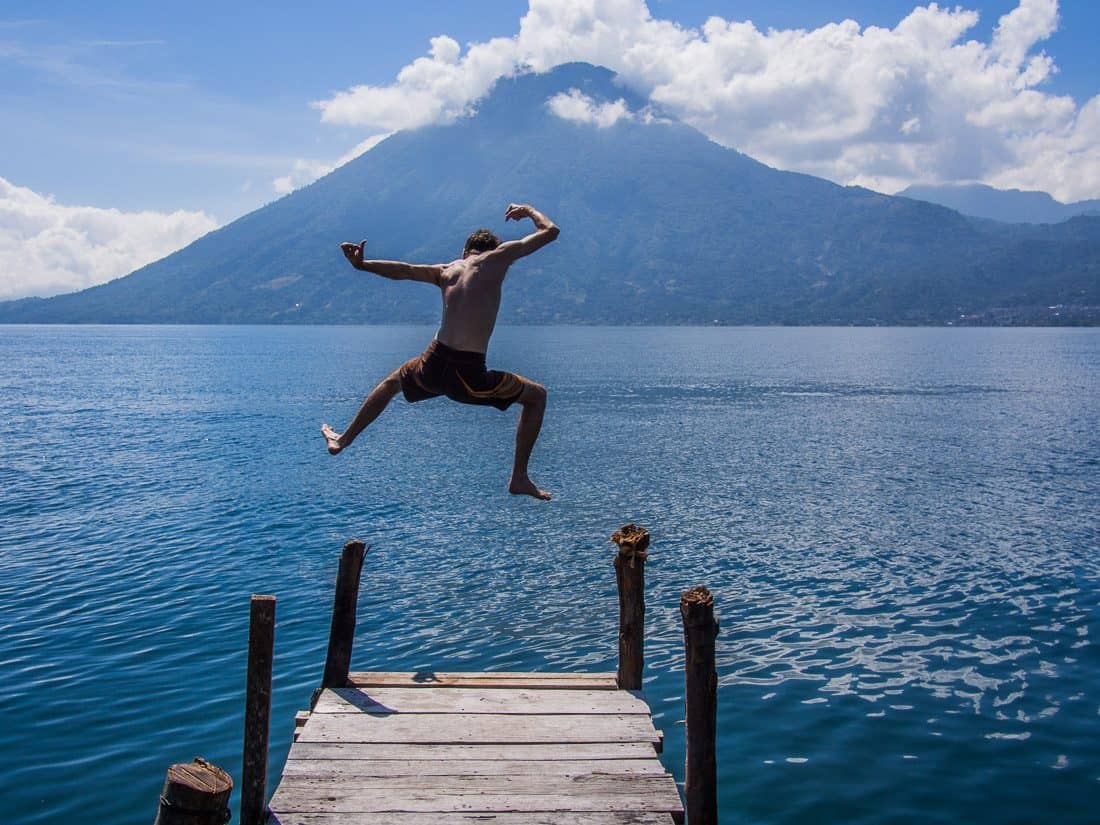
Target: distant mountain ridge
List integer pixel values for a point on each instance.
(1008, 205)
(659, 225)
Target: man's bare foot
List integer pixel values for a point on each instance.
(333, 439)
(525, 487)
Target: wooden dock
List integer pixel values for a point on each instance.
(509, 748)
(434, 748)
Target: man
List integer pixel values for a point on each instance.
(454, 363)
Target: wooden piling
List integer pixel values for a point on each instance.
(342, 632)
(257, 713)
(195, 793)
(630, 577)
(701, 699)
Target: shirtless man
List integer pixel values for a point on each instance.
(454, 363)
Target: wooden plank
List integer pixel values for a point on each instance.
(342, 630)
(526, 818)
(513, 752)
(499, 679)
(337, 769)
(467, 728)
(488, 794)
(479, 700)
(527, 785)
(257, 708)
(383, 802)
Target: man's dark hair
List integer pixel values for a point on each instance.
(481, 241)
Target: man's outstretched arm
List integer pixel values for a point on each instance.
(545, 232)
(394, 270)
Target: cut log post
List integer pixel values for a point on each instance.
(342, 632)
(701, 699)
(630, 577)
(257, 710)
(195, 793)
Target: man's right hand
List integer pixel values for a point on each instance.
(354, 252)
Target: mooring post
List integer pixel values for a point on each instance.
(195, 793)
(257, 710)
(701, 699)
(342, 633)
(630, 577)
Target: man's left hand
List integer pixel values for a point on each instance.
(517, 211)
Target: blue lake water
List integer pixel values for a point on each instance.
(900, 527)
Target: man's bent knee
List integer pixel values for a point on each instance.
(533, 394)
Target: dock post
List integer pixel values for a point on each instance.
(701, 700)
(342, 633)
(257, 711)
(630, 577)
(195, 793)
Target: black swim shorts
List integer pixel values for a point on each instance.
(459, 375)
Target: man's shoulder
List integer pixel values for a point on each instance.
(476, 266)
(495, 261)
(452, 269)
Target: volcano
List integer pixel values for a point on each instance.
(660, 225)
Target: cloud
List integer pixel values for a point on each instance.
(47, 248)
(306, 171)
(883, 107)
(432, 89)
(576, 106)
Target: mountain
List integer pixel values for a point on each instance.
(1008, 205)
(659, 225)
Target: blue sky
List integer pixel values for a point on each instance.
(202, 106)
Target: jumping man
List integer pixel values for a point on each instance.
(454, 363)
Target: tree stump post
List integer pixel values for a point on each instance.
(195, 793)
(701, 700)
(630, 577)
(257, 710)
(341, 635)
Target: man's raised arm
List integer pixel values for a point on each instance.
(394, 270)
(545, 232)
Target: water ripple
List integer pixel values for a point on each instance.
(900, 527)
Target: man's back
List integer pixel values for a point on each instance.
(471, 300)
(471, 285)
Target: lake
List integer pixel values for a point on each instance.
(900, 527)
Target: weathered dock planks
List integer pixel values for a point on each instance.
(480, 700)
(537, 818)
(498, 679)
(539, 753)
(514, 749)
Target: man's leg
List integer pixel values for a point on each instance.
(533, 401)
(372, 407)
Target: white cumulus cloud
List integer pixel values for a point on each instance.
(431, 89)
(576, 106)
(306, 171)
(48, 248)
(883, 107)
